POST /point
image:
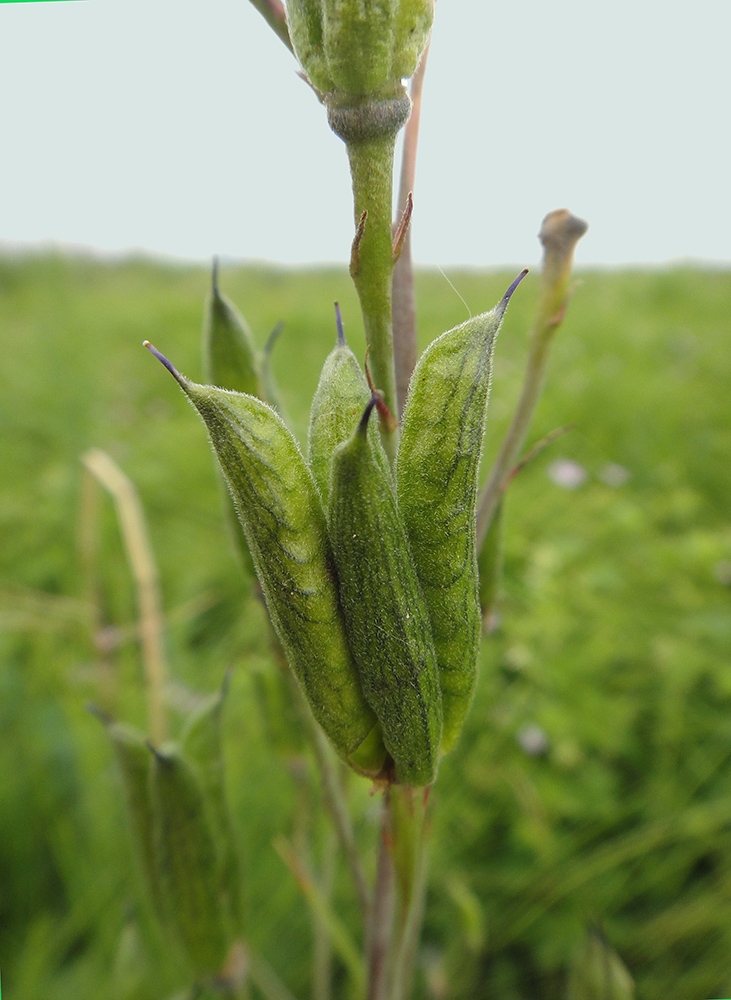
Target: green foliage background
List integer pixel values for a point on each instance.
(614, 637)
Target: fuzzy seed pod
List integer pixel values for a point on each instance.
(189, 862)
(133, 760)
(230, 357)
(386, 618)
(354, 50)
(202, 745)
(436, 473)
(279, 508)
(337, 406)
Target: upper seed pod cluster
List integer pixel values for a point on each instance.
(370, 576)
(352, 50)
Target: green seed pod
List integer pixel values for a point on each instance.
(437, 468)
(337, 406)
(413, 27)
(386, 618)
(188, 861)
(280, 511)
(229, 353)
(269, 384)
(598, 973)
(202, 744)
(304, 19)
(356, 50)
(133, 760)
(229, 360)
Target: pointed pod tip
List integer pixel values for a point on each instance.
(99, 714)
(214, 275)
(164, 361)
(372, 402)
(339, 321)
(508, 295)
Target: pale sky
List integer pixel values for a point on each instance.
(182, 128)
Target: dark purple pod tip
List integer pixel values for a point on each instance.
(164, 361)
(339, 321)
(506, 298)
(372, 402)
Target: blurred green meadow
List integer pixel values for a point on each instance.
(592, 785)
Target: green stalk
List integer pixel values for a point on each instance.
(379, 932)
(559, 234)
(369, 132)
(405, 342)
(409, 850)
(371, 168)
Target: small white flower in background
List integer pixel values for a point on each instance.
(614, 475)
(533, 739)
(567, 473)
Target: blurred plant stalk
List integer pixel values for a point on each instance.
(144, 569)
(559, 234)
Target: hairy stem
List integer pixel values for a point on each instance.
(371, 166)
(408, 836)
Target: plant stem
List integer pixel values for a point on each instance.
(559, 234)
(335, 799)
(380, 923)
(408, 838)
(144, 569)
(405, 343)
(274, 14)
(369, 131)
(371, 167)
(532, 385)
(322, 959)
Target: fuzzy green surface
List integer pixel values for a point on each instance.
(189, 862)
(385, 614)
(340, 398)
(283, 520)
(614, 637)
(438, 462)
(229, 352)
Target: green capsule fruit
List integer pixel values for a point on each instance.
(188, 861)
(230, 360)
(269, 385)
(386, 618)
(133, 760)
(229, 354)
(280, 511)
(598, 973)
(337, 406)
(202, 745)
(304, 20)
(437, 468)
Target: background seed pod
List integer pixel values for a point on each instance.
(202, 745)
(189, 862)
